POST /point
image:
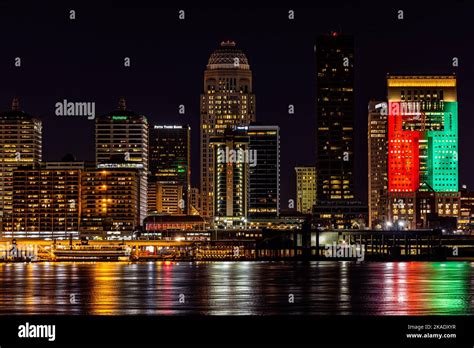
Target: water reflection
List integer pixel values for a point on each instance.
(238, 288)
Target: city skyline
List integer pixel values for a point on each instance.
(295, 62)
(16, 105)
(192, 166)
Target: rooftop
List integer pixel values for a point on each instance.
(228, 56)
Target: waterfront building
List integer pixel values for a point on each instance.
(175, 227)
(20, 145)
(422, 145)
(110, 202)
(341, 215)
(122, 143)
(46, 201)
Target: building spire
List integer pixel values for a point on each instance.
(122, 104)
(15, 104)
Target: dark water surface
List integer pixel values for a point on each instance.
(238, 288)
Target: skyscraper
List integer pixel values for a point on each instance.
(227, 101)
(378, 152)
(335, 117)
(20, 144)
(306, 179)
(122, 142)
(264, 176)
(231, 162)
(422, 147)
(170, 167)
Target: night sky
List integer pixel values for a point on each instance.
(82, 60)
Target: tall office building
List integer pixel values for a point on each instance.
(121, 143)
(46, 201)
(170, 168)
(422, 147)
(378, 152)
(231, 162)
(306, 178)
(227, 101)
(335, 117)
(264, 176)
(20, 144)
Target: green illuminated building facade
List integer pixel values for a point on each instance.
(443, 151)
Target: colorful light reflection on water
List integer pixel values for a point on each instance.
(238, 288)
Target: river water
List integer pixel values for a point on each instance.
(238, 288)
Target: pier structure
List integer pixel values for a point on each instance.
(298, 244)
